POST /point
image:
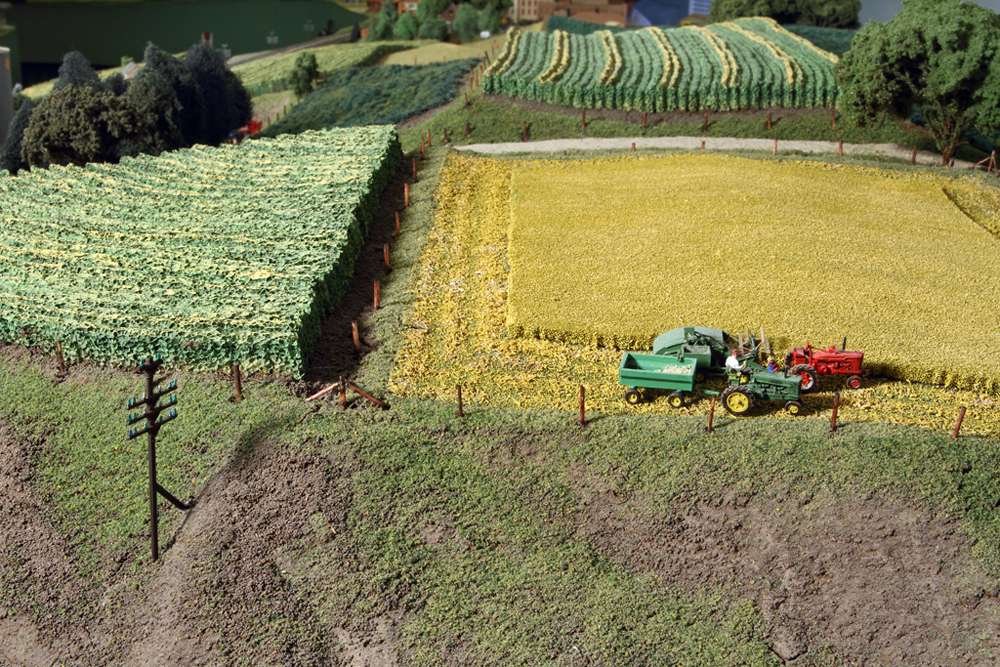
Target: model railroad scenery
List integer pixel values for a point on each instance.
(569, 405)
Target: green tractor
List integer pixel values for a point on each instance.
(683, 358)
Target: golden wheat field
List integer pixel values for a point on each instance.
(614, 252)
(458, 333)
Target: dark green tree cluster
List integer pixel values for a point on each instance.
(821, 13)
(942, 56)
(470, 18)
(170, 104)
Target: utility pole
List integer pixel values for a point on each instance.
(151, 413)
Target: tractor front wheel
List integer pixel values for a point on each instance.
(854, 382)
(676, 399)
(737, 400)
(632, 396)
(808, 374)
(793, 408)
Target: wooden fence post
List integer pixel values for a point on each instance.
(711, 413)
(59, 357)
(704, 124)
(775, 151)
(459, 412)
(406, 195)
(913, 159)
(958, 424)
(583, 420)
(354, 334)
(840, 148)
(385, 253)
(238, 381)
(343, 394)
(377, 289)
(833, 415)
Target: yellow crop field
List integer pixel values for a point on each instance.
(457, 332)
(612, 253)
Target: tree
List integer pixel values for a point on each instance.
(167, 70)
(384, 22)
(75, 70)
(500, 6)
(355, 32)
(464, 24)
(822, 13)
(154, 99)
(10, 158)
(489, 20)
(430, 9)
(77, 125)
(227, 102)
(115, 84)
(434, 28)
(940, 55)
(304, 73)
(406, 27)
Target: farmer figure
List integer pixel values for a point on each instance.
(771, 367)
(733, 364)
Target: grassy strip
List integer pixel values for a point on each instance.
(498, 120)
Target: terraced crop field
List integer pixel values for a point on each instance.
(742, 64)
(206, 256)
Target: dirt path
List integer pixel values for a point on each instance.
(711, 143)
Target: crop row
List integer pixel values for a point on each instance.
(746, 63)
(206, 256)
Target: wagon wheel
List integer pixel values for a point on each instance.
(793, 408)
(632, 396)
(854, 382)
(676, 399)
(808, 374)
(699, 377)
(737, 400)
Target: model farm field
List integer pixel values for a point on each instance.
(500, 502)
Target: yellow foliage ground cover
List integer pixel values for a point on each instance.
(614, 252)
(458, 334)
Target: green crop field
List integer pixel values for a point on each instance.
(178, 255)
(271, 74)
(742, 64)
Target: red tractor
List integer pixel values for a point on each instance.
(810, 362)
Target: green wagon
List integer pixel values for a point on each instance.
(653, 371)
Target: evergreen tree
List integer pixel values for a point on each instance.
(384, 22)
(822, 13)
(406, 27)
(191, 118)
(226, 101)
(940, 55)
(489, 20)
(77, 125)
(152, 95)
(355, 32)
(465, 21)
(115, 84)
(304, 73)
(434, 28)
(75, 70)
(428, 10)
(499, 6)
(10, 158)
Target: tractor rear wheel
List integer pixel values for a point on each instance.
(854, 382)
(737, 400)
(794, 408)
(676, 399)
(632, 396)
(808, 374)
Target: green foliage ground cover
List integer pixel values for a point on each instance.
(374, 96)
(177, 256)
